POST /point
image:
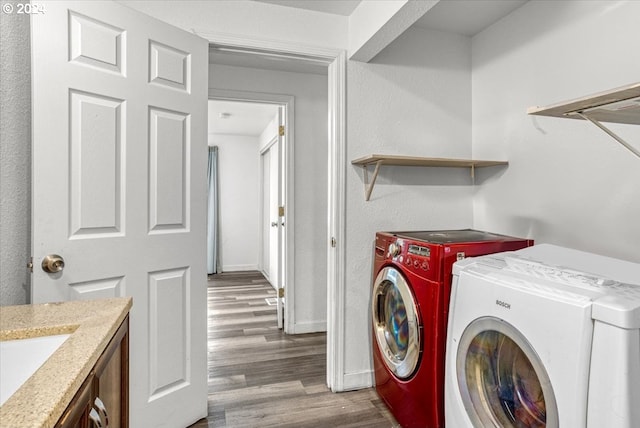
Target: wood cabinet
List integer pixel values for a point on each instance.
(103, 398)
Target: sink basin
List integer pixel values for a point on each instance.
(19, 359)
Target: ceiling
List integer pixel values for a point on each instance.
(335, 7)
(245, 118)
(465, 17)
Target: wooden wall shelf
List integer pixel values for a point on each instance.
(619, 105)
(379, 160)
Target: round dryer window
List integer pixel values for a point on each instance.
(501, 379)
(395, 322)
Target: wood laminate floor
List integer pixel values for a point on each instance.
(261, 377)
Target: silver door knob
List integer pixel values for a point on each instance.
(274, 224)
(52, 263)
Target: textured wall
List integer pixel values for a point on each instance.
(15, 157)
(568, 183)
(239, 187)
(413, 99)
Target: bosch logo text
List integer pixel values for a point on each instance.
(503, 304)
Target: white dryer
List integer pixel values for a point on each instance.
(543, 337)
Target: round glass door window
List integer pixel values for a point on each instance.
(395, 322)
(501, 379)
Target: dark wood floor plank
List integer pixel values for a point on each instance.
(260, 377)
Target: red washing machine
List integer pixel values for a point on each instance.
(410, 307)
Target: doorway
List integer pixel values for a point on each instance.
(250, 214)
(333, 242)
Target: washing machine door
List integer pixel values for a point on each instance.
(395, 322)
(502, 381)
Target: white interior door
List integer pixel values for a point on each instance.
(265, 161)
(119, 188)
(274, 184)
(273, 222)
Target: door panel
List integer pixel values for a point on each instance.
(119, 185)
(169, 355)
(169, 66)
(168, 170)
(95, 43)
(95, 169)
(97, 289)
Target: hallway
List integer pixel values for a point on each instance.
(260, 377)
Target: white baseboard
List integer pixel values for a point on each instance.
(358, 380)
(239, 268)
(309, 327)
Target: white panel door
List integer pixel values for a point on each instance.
(119, 188)
(265, 160)
(271, 220)
(274, 187)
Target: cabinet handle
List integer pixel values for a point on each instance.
(98, 414)
(95, 419)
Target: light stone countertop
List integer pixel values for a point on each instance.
(42, 399)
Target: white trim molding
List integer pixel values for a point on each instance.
(335, 60)
(310, 327)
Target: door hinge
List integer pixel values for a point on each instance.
(281, 292)
(281, 131)
(333, 242)
(281, 211)
(30, 264)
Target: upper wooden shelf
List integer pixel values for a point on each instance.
(420, 161)
(379, 160)
(620, 105)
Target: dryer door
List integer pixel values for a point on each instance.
(502, 381)
(395, 322)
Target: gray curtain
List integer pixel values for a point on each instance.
(212, 212)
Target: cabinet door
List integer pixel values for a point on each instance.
(77, 413)
(111, 380)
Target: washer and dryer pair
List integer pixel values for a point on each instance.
(410, 302)
(544, 337)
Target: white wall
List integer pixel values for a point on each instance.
(414, 99)
(239, 186)
(310, 178)
(15, 158)
(568, 183)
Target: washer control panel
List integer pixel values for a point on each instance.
(410, 254)
(419, 250)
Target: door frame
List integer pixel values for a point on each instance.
(288, 102)
(336, 62)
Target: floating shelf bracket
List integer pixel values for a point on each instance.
(368, 186)
(379, 160)
(610, 133)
